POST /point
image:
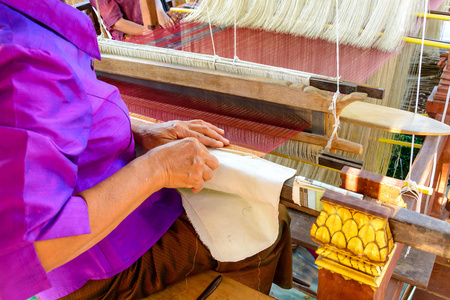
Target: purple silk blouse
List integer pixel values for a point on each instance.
(61, 132)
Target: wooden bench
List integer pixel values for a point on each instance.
(227, 289)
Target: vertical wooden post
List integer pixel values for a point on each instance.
(149, 16)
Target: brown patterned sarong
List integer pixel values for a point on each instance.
(172, 257)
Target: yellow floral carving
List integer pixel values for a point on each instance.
(353, 238)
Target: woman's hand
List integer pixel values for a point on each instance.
(164, 20)
(151, 135)
(184, 163)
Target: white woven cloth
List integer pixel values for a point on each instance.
(236, 214)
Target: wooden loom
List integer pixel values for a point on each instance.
(298, 96)
(230, 83)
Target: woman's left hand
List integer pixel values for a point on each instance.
(151, 135)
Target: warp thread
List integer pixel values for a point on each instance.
(365, 20)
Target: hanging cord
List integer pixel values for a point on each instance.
(418, 203)
(192, 269)
(338, 78)
(211, 33)
(235, 38)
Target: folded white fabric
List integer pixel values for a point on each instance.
(236, 214)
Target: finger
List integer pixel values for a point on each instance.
(195, 190)
(208, 136)
(207, 174)
(212, 162)
(213, 127)
(200, 134)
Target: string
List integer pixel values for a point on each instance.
(259, 273)
(211, 32)
(337, 94)
(235, 37)
(193, 267)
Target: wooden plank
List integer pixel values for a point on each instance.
(438, 200)
(346, 87)
(423, 164)
(439, 279)
(392, 120)
(373, 185)
(196, 284)
(300, 226)
(270, 90)
(319, 140)
(394, 289)
(415, 268)
(421, 232)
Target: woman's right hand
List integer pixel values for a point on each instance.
(184, 163)
(164, 20)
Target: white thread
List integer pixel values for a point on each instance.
(235, 38)
(215, 56)
(193, 267)
(361, 25)
(337, 94)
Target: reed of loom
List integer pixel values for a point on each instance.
(390, 76)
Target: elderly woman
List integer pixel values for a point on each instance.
(125, 17)
(80, 216)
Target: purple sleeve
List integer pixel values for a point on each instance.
(45, 119)
(109, 10)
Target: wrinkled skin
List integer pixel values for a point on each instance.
(179, 149)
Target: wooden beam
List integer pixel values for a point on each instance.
(421, 232)
(346, 87)
(423, 164)
(304, 137)
(320, 140)
(270, 90)
(373, 185)
(438, 200)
